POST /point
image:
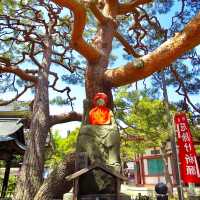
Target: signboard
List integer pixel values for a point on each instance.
(189, 169)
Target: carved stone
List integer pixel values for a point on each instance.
(102, 145)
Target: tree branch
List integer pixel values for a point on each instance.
(97, 13)
(126, 45)
(111, 7)
(162, 57)
(63, 118)
(19, 72)
(4, 103)
(185, 92)
(102, 19)
(129, 7)
(77, 42)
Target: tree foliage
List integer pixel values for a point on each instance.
(143, 120)
(61, 147)
(25, 27)
(182, 75)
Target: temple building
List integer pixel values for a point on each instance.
(12, 141)
(148, 168)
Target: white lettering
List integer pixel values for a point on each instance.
(187, 147)
(191, 170)
(185, 137)
(189, 159)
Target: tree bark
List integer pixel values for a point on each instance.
(55, 185)
(166, 169)
(175, 163)
(94, 78)
(77, 42)
(30, 178)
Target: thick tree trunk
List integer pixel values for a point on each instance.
(94, 78)
(55, 185)
(31, 172)
(30, 178)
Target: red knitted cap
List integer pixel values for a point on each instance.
(100, 95)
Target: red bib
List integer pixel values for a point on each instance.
(99, 115)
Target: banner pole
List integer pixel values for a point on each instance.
(176, 161)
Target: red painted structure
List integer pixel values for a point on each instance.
(142, 172)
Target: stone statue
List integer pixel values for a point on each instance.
(100, 139)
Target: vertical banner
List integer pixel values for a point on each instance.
(189, 169)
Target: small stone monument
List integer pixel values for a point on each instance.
(78, 178)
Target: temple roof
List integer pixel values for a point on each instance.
(11, 137)
(8, 128)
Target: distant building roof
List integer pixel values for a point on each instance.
(8, 128)
(17, 109)
(11, 137)
(15, 106)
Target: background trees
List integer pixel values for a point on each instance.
(61, 147)
(38, 39)
(143, 121)
(141, 116)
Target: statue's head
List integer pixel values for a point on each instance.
(100, 99)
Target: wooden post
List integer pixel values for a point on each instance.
(6, 179)
(118, 189)
(142, 169)
(75, 196)
(176, 163)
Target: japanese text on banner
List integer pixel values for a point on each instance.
(189, 168)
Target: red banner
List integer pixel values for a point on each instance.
(190, 171)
